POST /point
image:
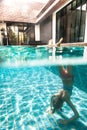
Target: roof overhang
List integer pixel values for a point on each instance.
(26, 11)
(51, 7)
(20, 10)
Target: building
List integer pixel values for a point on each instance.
(56, 19)
(64, 18)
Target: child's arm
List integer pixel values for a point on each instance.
(57, 44)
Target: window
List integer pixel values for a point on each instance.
(71, 22)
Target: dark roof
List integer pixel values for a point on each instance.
(20, 10)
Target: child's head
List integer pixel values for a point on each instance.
(56, 103)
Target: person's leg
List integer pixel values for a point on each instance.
(60, 41)
(69, 69)
(61, 69)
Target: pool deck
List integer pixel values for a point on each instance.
(73, 44)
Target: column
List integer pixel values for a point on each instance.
(37, 32)
(85, 38)
(54, 28)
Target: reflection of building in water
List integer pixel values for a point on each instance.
(85, 52)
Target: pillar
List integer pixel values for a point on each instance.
(37, 32)
(85, 38)
(54, 27)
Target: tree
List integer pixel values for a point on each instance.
(12, 38)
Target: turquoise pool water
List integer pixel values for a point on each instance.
(34, 56)
(26, 87)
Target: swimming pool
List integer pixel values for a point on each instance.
(29, 76)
